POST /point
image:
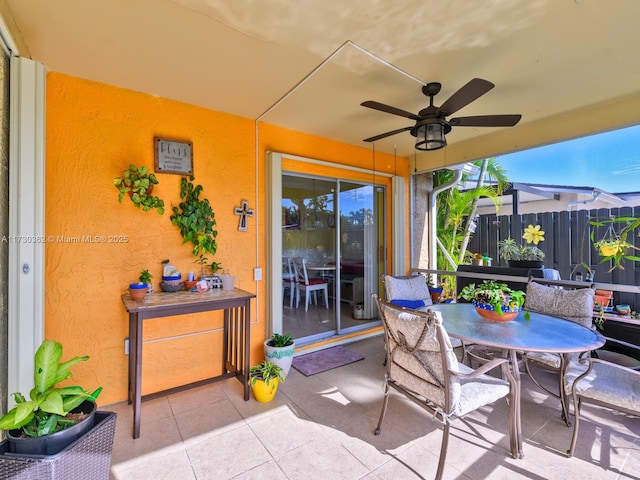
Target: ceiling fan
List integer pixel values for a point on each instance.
(431, 124)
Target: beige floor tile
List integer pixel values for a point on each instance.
(227, 455)
(192, 399)
(322, 427)
(210, 419)
(286, 430)
(162, 466)
(321, 459)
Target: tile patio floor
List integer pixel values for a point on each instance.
(321, 428)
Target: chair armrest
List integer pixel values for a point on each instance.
(484, 368)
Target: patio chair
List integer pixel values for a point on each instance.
(602, 383)
(308, 285)
(288, 279)
(423, 367)
(560, 299)
(410, 292)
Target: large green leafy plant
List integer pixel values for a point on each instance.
(266, 371)
(48, 406)
(195, 219)
(494, 293)
(138, 183)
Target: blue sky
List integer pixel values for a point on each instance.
(610, 161)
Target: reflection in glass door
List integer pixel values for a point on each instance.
(332, 232)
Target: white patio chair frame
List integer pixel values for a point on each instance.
(304, 284)
(288, 280)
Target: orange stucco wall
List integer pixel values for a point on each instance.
(93, 132)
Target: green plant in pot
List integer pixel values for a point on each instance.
(196, 220)
(61, 414)
(614, 247)
(280, 349)
(494, 300)
(264, 379)
(137, 183)
(527, 255)
(138, 290)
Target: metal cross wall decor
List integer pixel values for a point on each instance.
(244, 211)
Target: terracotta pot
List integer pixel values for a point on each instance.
(488, 313)
(137, 292)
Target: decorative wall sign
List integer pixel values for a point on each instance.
(244, 211)
(173, 156)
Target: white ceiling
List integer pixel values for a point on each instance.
(547, 57)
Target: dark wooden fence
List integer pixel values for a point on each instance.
(567, 244)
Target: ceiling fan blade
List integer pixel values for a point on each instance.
(387, 134)
(473, 90)
(389, 109)
(486, 121)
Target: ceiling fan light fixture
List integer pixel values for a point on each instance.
(430, 137)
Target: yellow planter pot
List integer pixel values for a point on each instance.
(264, 392)
(606, 250)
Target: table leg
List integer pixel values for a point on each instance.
(137, 375)
(132, 357)
(247, 343)
(513, 355)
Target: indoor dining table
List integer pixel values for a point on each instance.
(541, 333)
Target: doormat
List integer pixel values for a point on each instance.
(324, 360)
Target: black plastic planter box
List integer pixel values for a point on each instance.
(89, 457)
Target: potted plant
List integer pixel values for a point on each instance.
(435, 292)
(54, 416)
(614, 246)
(264, 379)
(279, 349)
(494, 300)
(523, 256)
(137, 290)
(145, 277)
(137, 183)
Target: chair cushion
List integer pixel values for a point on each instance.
(413, 304)
(317, 281)
(545, 358)
(479, 391)
(614, 385)
(575, 305)
(407, 288)
(410, 359)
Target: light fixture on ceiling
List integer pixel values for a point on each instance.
(430, 134)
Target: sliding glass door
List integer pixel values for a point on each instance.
(333, 241)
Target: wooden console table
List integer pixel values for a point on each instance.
(235, 354)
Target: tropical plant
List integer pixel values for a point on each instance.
(279, 341)
(265, 371)
(138, 183)
(195, 219)
(494, 293)
(614, 246)
(509, 249)
(455, 207)
(46, 411)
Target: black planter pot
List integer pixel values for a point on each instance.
(88, 457)
(53, 443)
(525, 263)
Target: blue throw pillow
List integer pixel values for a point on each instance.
(409, 303)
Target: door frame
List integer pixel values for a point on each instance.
(274, 307)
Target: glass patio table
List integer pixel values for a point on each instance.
(541, 333)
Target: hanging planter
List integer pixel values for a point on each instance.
(614, 246)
